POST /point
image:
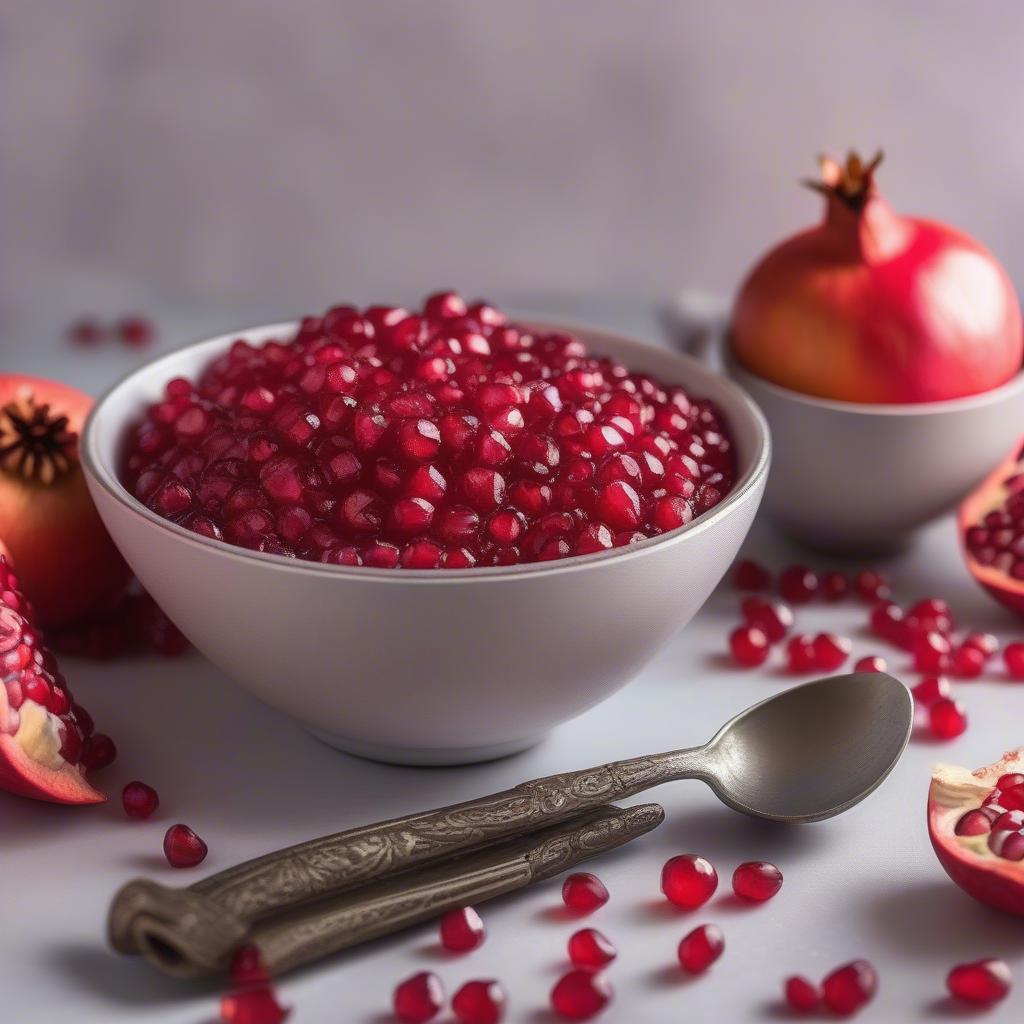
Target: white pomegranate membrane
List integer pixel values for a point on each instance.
(446, 438)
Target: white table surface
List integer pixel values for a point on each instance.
(249, 780)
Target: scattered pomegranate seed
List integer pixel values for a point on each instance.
(947, 719)
(139, 800)
(802, 995)
(973, 823)
(589, 950)
(581, 995)
(773, 618)
(418, 998)
(99, 752)
(584, 892)
(701, 948)
(1013, 655)
(982, 983)
(932, 615)
(801, 655)
(135, 331)
(756, 880)
(751, 575)
(931, 653)
(831, 651)
(967, 662)
(887, 621)
(252, 1006)
(479, 1002)
(749, 646)
(834, 585)
(247, 968)
(462, 930)
(797, 584)
(849, 987)
(85, 332)
(931, 689)
(183, 848)
(984, 642)
(871, 663)
(688, 881)
(872, 586)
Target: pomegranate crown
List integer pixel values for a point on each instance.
(35, 442)
(851, 182)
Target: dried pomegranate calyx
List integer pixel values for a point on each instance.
(35, 442)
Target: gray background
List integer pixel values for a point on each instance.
(295, 153)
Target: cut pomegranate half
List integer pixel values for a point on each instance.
(991, 523)
(46, 739)
(976, 825)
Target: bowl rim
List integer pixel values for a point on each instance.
(104, 476)
(966, 403)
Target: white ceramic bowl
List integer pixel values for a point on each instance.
(435, 666)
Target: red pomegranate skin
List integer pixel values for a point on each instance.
(876, 307)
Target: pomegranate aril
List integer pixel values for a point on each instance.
(850, 987)
(870, 663)
(589, 950)
(831, 651)
(946, 719)
(1013, 656)
(751, 575)
(967, 662)
(930, 615)
(584, 892)
(134, 331)
(981, 983)
(479, 1002)
(834, 585)
(701, 948)
(419, 998)
(580, 995)
(984, 642)
(183, 848)
(85, 332)
(756, 880)
(797, 584)
(801, 655)
(252, 1006)
(931, 689)
(462, 930)
(973, 823)
(688, 881)
(872, 586)
(773, 618)
(247, 968)
(887, 621)
(801, 994)
(749, 646)
(98, 753)
(931, 652)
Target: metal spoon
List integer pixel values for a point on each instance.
(802, 755)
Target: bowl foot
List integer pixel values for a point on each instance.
(425, 756)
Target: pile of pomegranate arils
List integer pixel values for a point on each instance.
(445, 438)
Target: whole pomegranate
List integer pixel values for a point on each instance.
(66, 561)
(874, 306)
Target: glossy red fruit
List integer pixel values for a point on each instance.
(831, 651)
(756, 880)
(834, 585)
(67, 563)
(749, 646)
(930, 615)
(930, 690)
(247, 968)
(584, 892)
(462, 930)
(253, 1006)
(967, 662)
(135, 331)
(984, 642)
(751, 575)
(590, 950)
(86, 332)
(773, 618)
(871, 663)
(947, 719)
(797, 584)
(981, 983)
(139, 800)
(183, 848)
(888, 622)
(1013, 656)
(931, 653)
(849, 988)
(801, 655)
(419, 998)
(701, 948)
(479, 1002)
(872, 586)
(580, 995)
(801, 994)
(688, 881)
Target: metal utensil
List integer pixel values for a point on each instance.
(805, 754)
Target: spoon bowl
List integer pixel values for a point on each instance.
(774, 759)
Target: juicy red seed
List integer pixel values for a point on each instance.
(751, 575)
(86, 332)
(584, 892)
(931, 614)
(462, 930)
(797, 584)
(580, 995)
(183, 848)
(1009, 780)
(831, 651)
(756, 880)
(139, 800)
(253, 1006)
(870, 663)
(931, 689)
(801, 655)
(946, 719)
(981, 983)
(1013, 655)
(701, 948)
(418, 998)
(99, 752)
(834, 586)
(688, 881)
(749, 646)
(888, 622)
(984, 642)
(135, 331)
(773, 618)
(479, 1002)
(967, 662)
(247, 967)
(931, 653)
(802, 995)
(872, 586)
(589, 950)
(973, 823)
(849, 987)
